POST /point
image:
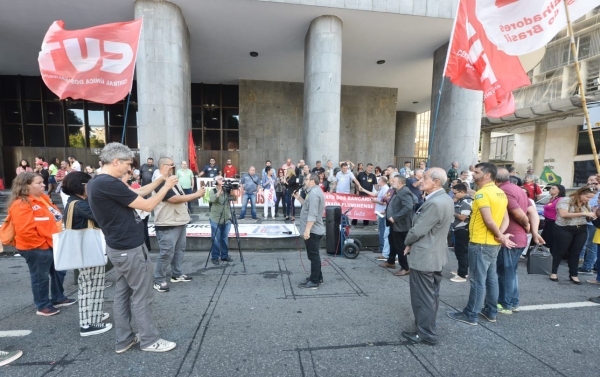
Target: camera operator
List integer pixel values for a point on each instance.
(220, 222)
(312, 228)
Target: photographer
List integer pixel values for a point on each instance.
(220, 222)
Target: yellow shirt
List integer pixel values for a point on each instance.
(492, 197)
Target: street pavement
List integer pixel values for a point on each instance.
(228, 322)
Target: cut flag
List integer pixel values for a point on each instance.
(95, 64)
(518, 27)
(475, 63)
(192, 152)
(549, 177)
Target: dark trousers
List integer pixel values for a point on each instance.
(425, 301)
(312, 250)
(280, 197)
(397, 247)
(461, 250)
(548, 233)
(569, 240)
(44, 277)
(188, 192)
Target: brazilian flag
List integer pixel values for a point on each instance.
(549, 177)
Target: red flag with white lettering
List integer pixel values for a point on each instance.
(96, 64)
(476, 63)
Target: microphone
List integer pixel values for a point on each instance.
(288, 232)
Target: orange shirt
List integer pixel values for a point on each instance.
(34, 223)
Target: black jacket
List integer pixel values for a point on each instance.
(82, 213)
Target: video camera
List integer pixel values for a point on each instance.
(230, 184)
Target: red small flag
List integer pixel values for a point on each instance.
(192, 153)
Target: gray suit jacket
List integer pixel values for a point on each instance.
(429, 233)
(400, 208)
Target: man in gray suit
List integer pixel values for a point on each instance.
(427, 249)
(399, 213)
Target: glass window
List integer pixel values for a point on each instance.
(76, 137)
(132, 115)
(12, 111)
(131, 137)
(197, 136)
(48, 94)
(583, 144)
(231, 140)
(12, 135)
(196, 117)
(33, 112)
(196, 94)
(212, 117)
(231, 119)
(9, 87)
(212, 140)
(211, 95)
(55, 136)
(115, 114)
(96, 129)
(231, 95)
(115, 134)
(32, 87)
(54, 112)
(75, 112)
(34, 136)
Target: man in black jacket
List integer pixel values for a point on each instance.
(399, 213)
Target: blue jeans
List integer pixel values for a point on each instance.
(592, 248)
(187, 192)
(386, 244)
(41, 263)
(220, 240)
(508, 282)
(252, 197)
(484, 281)
(381, 229)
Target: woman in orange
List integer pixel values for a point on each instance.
(35, 220)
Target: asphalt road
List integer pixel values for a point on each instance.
(228, 322)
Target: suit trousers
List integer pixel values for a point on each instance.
(397, 247)
(425, 301)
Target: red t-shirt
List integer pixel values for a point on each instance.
(229, 171)
(516, 199)
(530, 187)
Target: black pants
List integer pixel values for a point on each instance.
(397, 247)
(569, 240)
(312, 250)
(461, 250)
(548, 232)
(280, 197)
(425, 301)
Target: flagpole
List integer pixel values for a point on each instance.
(125, 121)
(581, 87)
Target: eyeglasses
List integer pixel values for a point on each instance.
(171, 165)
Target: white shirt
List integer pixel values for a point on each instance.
(76, 166)
(428, 196)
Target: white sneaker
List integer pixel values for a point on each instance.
(105, 316)
(161, 345)
(458, 279)
(136, 340)
(9, 357)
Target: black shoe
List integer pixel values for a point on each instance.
(595, 300)
(241, 218)
(414, 338)
(461, 317)
(255, 218)
(320, 280)
(578, 282)
(308, 285)
(582, 270)
(227, 259)
(95, 329)
(215, 261)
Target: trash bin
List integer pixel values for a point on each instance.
(333, 214)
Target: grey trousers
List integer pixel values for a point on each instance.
(172, 246)
(425, 300)
(133, 295)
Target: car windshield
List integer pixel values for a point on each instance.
(543, 201)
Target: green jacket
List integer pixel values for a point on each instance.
(219, 211)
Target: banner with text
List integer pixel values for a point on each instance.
(246, 230)
(362, 206)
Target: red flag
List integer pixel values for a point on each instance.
(192, 153)
(476, 63)
(95, 64)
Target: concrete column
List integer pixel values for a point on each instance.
(163, 81)
(486, 140)
(456, 135)
(322, 89)
(539, 147)
(406, 131)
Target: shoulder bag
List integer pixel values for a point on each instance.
(539, 261)
(78, 248)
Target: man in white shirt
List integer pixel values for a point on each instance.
(75, 165)
(342, 180)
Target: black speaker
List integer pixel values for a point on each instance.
(333, 215)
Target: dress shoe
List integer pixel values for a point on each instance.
(595, 300)
(401, 272)
(227, 259)
(553, 279)
(387, 265)
(414, 338)
(593, 281)
(578, 282)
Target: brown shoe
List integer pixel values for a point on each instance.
(387, 265)
(402, 272)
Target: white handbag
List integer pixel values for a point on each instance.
(78, 248)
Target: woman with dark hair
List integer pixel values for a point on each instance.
(557, 192)
(378, 172)
(292, 184)
(323, 184)
(280, 191)
(570, 230)
(24, 167)
(268, 190)
(35, 221)
(90, 170)
(52, 170)
(90, 280)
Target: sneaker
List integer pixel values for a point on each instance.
(458, 279)
(461, 317)
(65, 302)
(582, 270)
(163, 287)
(9, 357)
(97, 328)
(136, 340)
(502, 310)
(489, 319)
(175, 279)
(105, 316)
(516, 309)
(454, 272)
(47, 312)
(308, 279)
(161, 345)
(108, 284)
(215, 261)
(227, 259)
(381, 257)
(308, 285)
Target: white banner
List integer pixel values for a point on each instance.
(246, 230)
(210, 183)
(519, 27)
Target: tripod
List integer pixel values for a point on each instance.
(234, 221)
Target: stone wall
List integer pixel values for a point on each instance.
(271, 123)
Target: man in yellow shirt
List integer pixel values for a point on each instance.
(489, 220)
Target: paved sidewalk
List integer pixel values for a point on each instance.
(259, 323)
